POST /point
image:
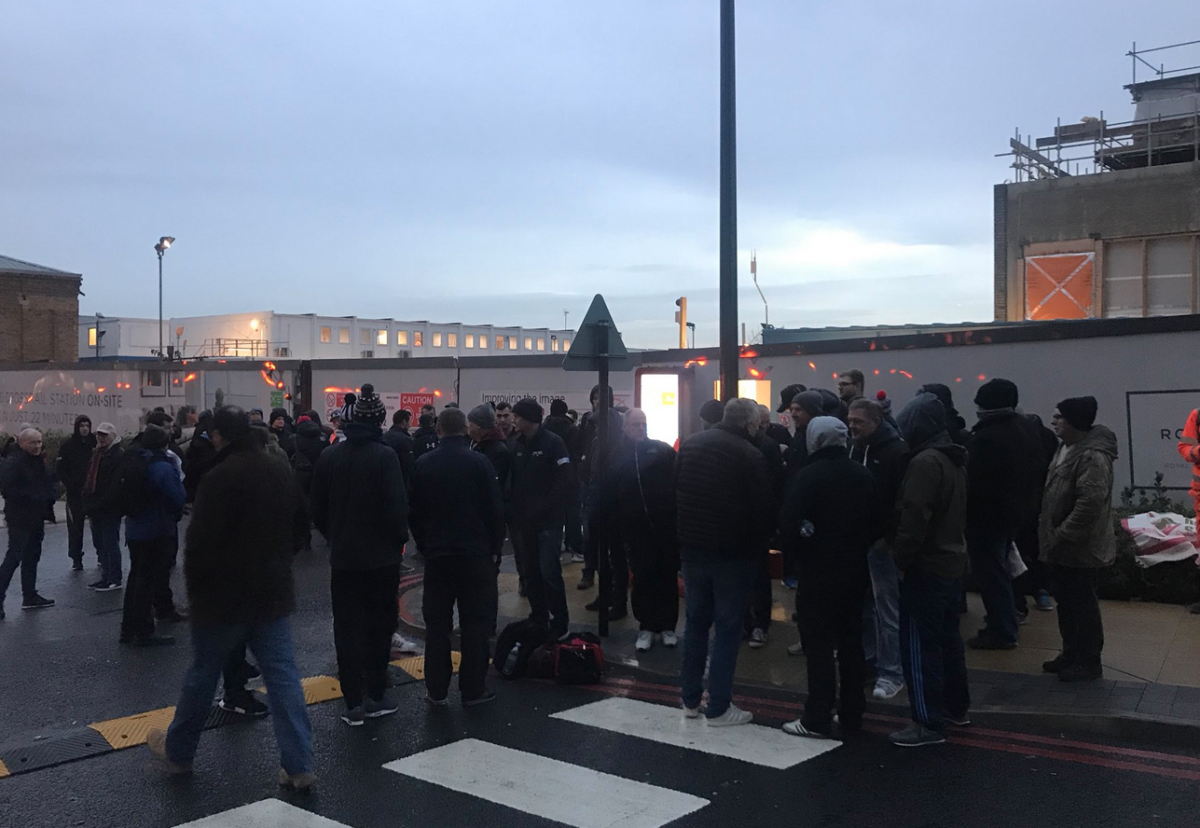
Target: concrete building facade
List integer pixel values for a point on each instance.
(38, 309)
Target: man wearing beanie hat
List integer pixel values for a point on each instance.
(1005, 470)
(562, 425)
(1076, 534)
(711, 413)
(359, 504)
(804, 407)
(540, 487)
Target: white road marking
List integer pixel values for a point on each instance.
(547, 788)
(757, 744)
(270, 813)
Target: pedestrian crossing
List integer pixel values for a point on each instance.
(562, 792)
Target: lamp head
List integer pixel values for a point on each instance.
(164, 244)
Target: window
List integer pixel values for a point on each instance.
(499, 343)
(326, 334)
(437, 340)
(364, 336)
(483, 342)
(344, 336)
(529, 343)
(1123, 279)
(566, 345)
(401, 337)
(1169, 276)
(541, 343)
(381, 338)
(512, 343)
(417, 336)
(451, 340)
(91, 337)
(470, 341)
(554, 343)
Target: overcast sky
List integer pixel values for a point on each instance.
(482, 161)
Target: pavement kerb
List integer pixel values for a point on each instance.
(44, 750)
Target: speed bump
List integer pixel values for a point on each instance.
(3, 770)
(415, 666)
(319, 689)
(130, 731)
(50, 750)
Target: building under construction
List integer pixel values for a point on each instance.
(1102, 218)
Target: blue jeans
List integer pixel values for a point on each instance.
(935, 665)
(107, 537)
(717, 594)
(884, 632)
(988, 550)
(543, 577)
(271, 644)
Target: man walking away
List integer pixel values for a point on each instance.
(425, 438)
(1005, 472)
(930, 553)
(238, 566)
(74, 455)
(878, 447)
(359, 504)
(640, 498)
(151, 532)
(29, 489)
(539, 492)
(723, 494)
(1076, 535)
(829, 517)
(457, 520)
(398, 440)
(100, 502)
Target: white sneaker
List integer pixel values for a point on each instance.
(405, 646)
(758, 638)
(691, 712)
(796, 649)
(645, 640)
(731, 717)
(669, 638)
(885, 689)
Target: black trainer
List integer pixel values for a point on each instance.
(385, 705)
(36, 601)
(153, 641)
(244, 704)
(354, 716)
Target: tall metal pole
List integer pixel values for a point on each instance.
(160, 339)
(601, 471)
(728, 259)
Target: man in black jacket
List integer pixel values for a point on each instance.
(99, 501)
(723, 502)
(488, 439)
(29, 489)
(238, 553)
(758, 617)
(597, 538)
(73, 457)
(829, 517)
(359, 504)
(457, 520)
(539, 493)
(399, 441)
(879, 448)
(1006, 469)
(565, 428)
(639, 497)
(425, 438)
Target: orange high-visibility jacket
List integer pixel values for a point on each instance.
(1189, 450)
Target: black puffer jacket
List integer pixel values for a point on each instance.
(837, 496)
(1006, 471)
(311, 440)
(74, 455)
(885, 455)
(29, 488)
(246, 525)
(358, 501)
(723, 496)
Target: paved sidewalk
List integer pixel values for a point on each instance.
(1151, 668)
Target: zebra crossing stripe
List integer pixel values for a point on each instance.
(547, 788)
(756, 744)
(269, 813)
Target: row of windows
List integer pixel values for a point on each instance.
(470, 341)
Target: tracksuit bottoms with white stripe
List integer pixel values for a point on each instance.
(935, 665)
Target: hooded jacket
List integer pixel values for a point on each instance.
(885, 455)
(311, 440)
(932, 505)
(73, 457)
(29, 488)
(1005, 472)
(358, 501)
(1076, 527)
(837, 496)
(956, 426)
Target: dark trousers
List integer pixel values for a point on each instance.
(106, 535)
(655, 597)
(935, 666)
(24, 552)
(830, 607)
(1079, 620)
(149, 564)
(1034, 579)
(598, 540)
(541, 550)
(988, 549)
(164, 598)
(233, 672)
(364, 615)
(574, 530)
(758, 616)
(75, 521)
(470, 582)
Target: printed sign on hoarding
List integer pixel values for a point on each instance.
(1156, 420)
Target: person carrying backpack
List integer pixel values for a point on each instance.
(152, 497)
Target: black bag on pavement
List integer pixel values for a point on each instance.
(516, 644)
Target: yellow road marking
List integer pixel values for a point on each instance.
(415, 666)
(3, 770)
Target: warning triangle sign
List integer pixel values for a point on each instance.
(596, 341)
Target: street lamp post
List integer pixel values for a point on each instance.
(728, 231)
(163, 245)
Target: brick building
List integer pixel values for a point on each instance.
(39, 313)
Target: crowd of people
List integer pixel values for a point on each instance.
(878, 516)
